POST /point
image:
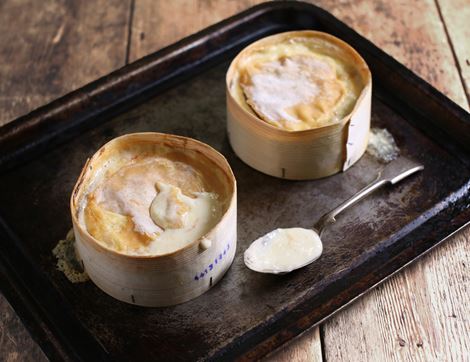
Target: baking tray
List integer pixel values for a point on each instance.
(180, 89)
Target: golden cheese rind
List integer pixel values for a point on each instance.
(123, 169)
(112, 229)
(298, 83)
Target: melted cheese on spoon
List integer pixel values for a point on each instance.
(283, 250)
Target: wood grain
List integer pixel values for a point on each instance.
(418, 315)
(157, 24)
(455, 15)
(412, 32)
(47, 49)
(306, 347)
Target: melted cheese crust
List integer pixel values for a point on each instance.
(298, 84)
(125, 211)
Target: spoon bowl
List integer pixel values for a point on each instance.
(283, 250)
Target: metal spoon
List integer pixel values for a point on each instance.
(284, 250)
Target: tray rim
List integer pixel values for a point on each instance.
(11, 150)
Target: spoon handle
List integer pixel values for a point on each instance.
(390, 175)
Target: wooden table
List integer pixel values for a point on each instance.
(48, 48)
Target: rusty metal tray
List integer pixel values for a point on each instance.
(180, 90)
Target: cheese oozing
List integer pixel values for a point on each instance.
(151, 207)
(169, 209)
(182, 218)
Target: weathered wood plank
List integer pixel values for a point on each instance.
(412, 32)
(160, 23)
(307, 347)
(418, 315)
(455, 14)
(49, 48)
